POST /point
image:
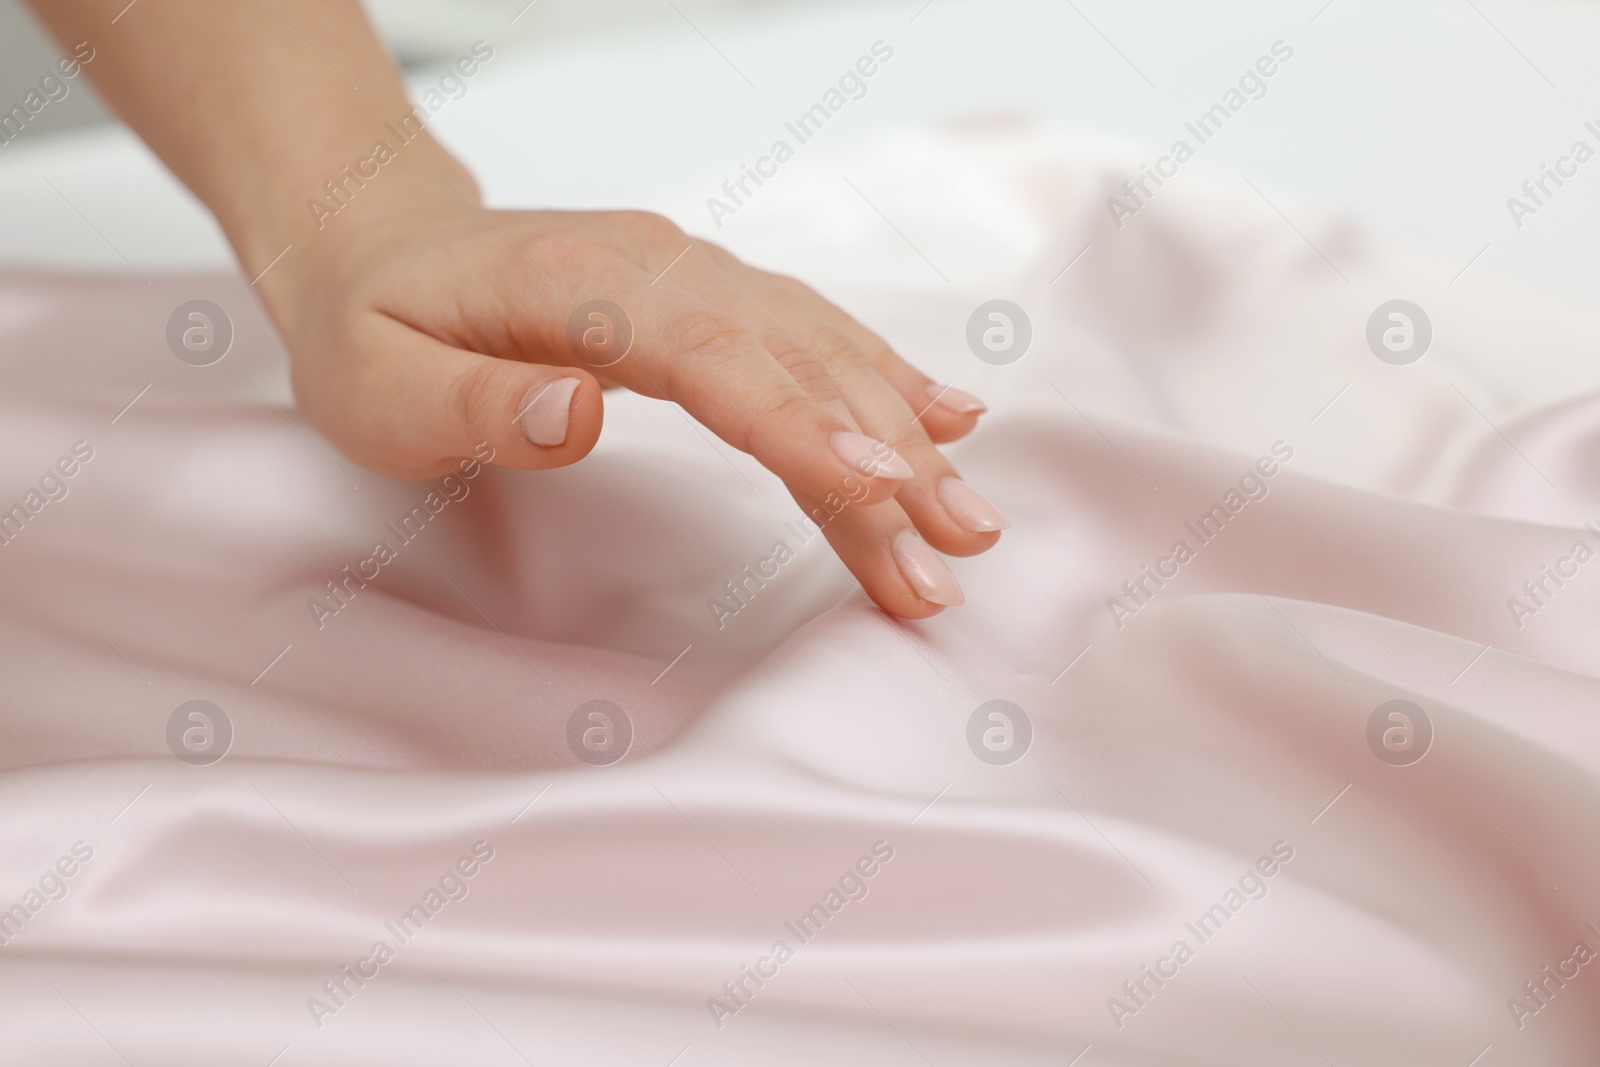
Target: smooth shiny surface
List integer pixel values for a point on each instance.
(925, 570)
(970, 509)
(1176, 739)
(547, 411)
(870, 457)
(957, 400)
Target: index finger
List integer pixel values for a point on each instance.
(683, 349)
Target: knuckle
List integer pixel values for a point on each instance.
(909, 439)
(834, 348)
(656, 229)
(560, 246)
(812, 376)
(710, 334)
(784, 408)
(472, 395)
(799, 291)
(719, 255)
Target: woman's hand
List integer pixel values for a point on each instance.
(420, 324)
(427, 324)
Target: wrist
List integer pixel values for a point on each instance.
(320, 224)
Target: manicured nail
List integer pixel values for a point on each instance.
(872, 458)
(956, 400)
(545, 412)
(969, 508)
(923, 568)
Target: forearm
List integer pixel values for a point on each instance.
(253, 114)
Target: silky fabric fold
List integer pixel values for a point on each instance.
(1199, 770)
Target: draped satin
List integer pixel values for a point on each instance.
(1175, 742)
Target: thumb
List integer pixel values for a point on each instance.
(418, 404)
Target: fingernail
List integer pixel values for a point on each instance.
(969, 508)
(872, 458)
(957, 400)
(923, 568)
(544, 416)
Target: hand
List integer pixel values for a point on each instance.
(419, 328)
(420, 324)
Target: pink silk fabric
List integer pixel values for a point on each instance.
(1173, 748)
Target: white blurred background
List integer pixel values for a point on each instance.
(418, 30)
(1415, 117)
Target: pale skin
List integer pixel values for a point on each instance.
(420, 323)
